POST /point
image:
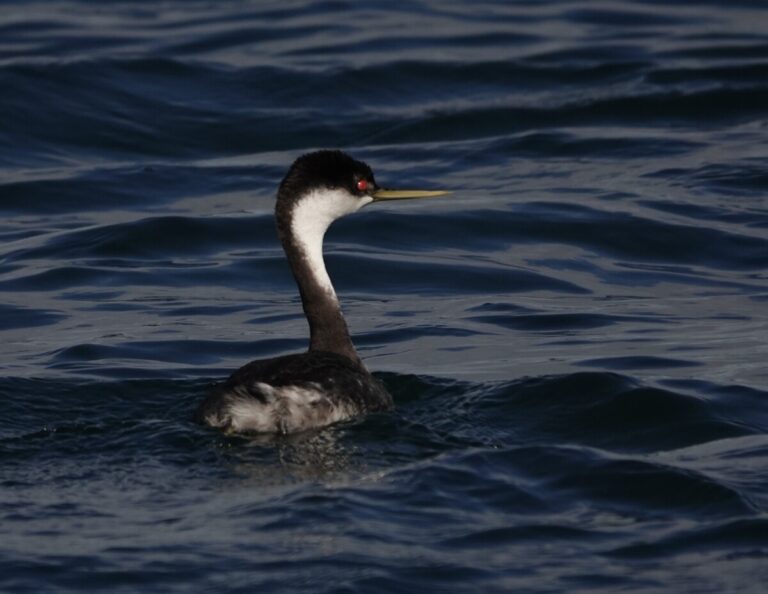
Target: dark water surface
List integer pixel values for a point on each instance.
(576, 339)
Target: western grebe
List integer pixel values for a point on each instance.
(329, 382)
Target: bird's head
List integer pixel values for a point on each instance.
(329, 184)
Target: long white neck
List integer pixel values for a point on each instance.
(309, 220)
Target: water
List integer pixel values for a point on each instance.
(576, 339)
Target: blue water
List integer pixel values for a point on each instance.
(576, 339)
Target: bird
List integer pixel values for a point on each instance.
(329, 382)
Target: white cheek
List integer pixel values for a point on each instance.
(317, 210)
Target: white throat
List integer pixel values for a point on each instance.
(311, 217)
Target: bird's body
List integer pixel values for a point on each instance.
(329, 383)
(294, 393)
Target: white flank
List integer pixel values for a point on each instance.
(312, 216)
(289, 409)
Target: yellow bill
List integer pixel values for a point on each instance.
(406, 194)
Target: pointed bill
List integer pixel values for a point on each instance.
(406, 194)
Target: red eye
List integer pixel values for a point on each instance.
(362, 185)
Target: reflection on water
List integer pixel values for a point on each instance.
(313, 456)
